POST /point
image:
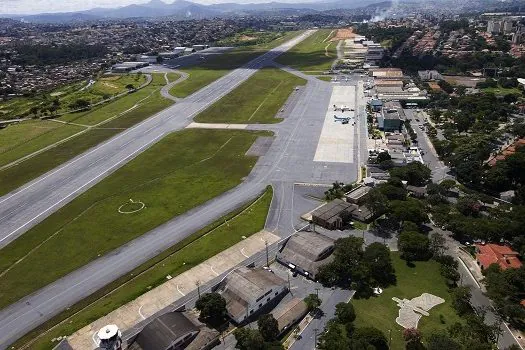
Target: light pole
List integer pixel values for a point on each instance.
(198, 284)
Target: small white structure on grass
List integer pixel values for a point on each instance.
(410, 311)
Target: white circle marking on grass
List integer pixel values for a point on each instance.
(131, 201)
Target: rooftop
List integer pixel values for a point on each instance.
(504, 256)
(331, 209)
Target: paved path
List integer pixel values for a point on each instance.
(29, 205)
(165, 91)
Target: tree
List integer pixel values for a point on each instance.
(212, 306)
(377, 202)
(415, 173)
(413, 339)
(371, 336)
(381, 270)
(130, 87)
(345, 313)
(347, 265)
(413, 246)
(437, 244)
(249, 339)
(409, 210)
(442, 341)
(335, 337)
(383, 156)
(461, 300)
(268, 327)
(468, 206)
(33, 110)
(312, 302)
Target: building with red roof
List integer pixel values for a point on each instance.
(504, 256)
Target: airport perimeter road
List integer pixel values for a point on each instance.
(25, 207)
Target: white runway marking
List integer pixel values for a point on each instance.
(336, 143)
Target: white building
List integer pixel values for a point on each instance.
(247, 291)
(494, 27)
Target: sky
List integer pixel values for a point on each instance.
(42, 6)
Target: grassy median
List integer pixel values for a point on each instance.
(216, 67)
(182, 171)
(381, 311)
(122, 111)
(195, 249)
(257, 100)
(313, 55)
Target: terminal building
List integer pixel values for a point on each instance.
(248, 292)
(305, 252)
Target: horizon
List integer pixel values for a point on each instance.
(34, 7)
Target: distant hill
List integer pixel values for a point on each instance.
(183, 9)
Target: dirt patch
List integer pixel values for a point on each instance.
(463, 81)
(247, 38)
(109, 85)
(343, 34)
(111, 78)
(434, 86)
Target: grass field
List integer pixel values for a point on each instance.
(182, 171)
(216, 67)
(313, 55)
(192, 251)
(14, 177)
(325, 78)
(257, 100)
(104, 87)
(500, 91)
(381, 311)
(173, 77)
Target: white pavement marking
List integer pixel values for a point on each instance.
(140, 313)
(336, 143)
(178, 290)
(216, 126)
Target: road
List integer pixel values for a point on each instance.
(288, 161)
(430, 157)
(27, 206)
(310, 334)
(478, 299)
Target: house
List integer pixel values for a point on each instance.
(418, 192)
(249, 291)
(507, 196)
(174, 331)
(504, 256)
(427, 75)
(357, 195)
(290, 314)
(333, 215)
(376, 105)
(393, 117)
(305, 252)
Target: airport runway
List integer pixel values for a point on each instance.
(289, 160)
(25, 207)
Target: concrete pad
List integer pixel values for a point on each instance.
(162, 296)
(217, 126)
(336, 143)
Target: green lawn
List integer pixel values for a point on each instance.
(502, 91)
(173, 77)
(27, 137)
(381, 311)
(190, 252)
(214, 68)
(313, 55)
(257, 100)
(325, 78)
(182, 171)
(14, 177)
